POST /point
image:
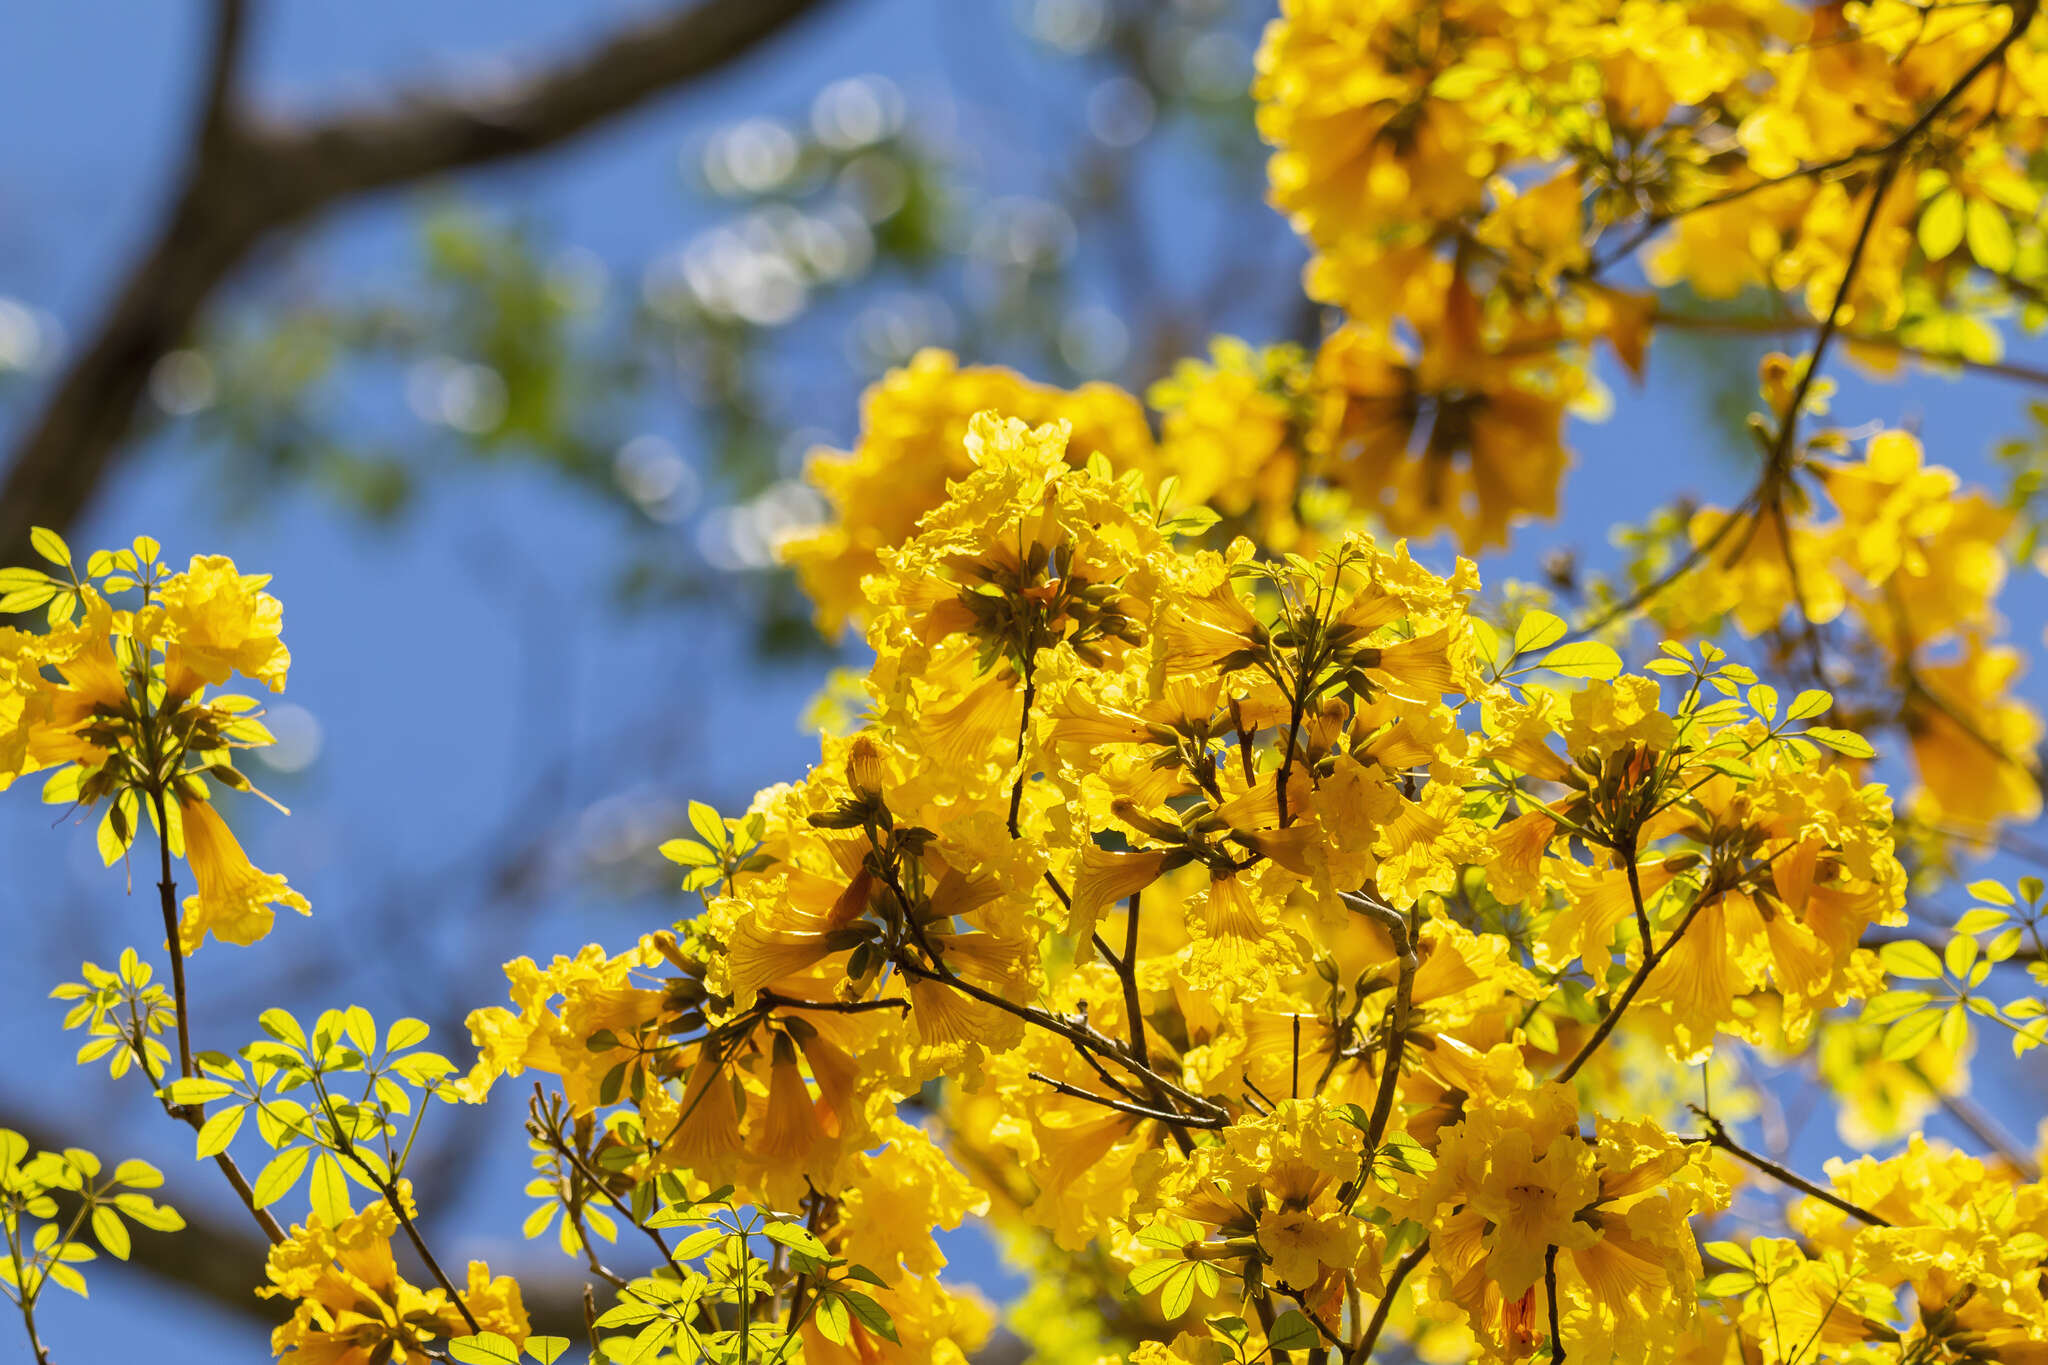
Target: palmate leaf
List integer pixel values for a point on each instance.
(1176, 1282)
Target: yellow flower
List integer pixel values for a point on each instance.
(1361, 146)
(222, 622)
(560, 1008)
(914, 425)
(1465, 437)
(1232, 432)
(1517, 1184)
(1973, 740)
(350, 1306)
(25, 702)
(235, 899)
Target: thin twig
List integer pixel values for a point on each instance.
(1127, 972)
(1125, 1107)
(1550, 1292)
(1635, 984)
(195, 1114)
(1402, 1270)
(1717, 1136)
(1398, 1009)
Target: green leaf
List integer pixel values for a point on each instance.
(1537, 630)
(833, 1320)
(1883, 1009)
(1486, 640)
(1170, 1232)
(1146, 1278)
(1810, 703)
(406, 1033)
(14, 580)
(546, 1350)
(1980, 920)
(629, 1313)
(699, 1242)
(654, 1338)
(1989, 235)
(705, 820)
(27, 599)
(1911, 959)
(1959, 956)
(871, 1314)
(689, 853)
(1728, 1253)
(1841, 741)
(282, 1172)
(196, 1090)
(50, 546)
(1177, 1283)
(110, 1232)
(329, 1189)
(797, 1238)
(1908, 1036)
(280, 1025)
(1584, 659)
(1727, 1284)
(1293, 1332)
(145, 1212)
(1992, 893)
(1941, 224)
(485, 1348)
(361, 1029)
(1179, 1294)
(219, 1131)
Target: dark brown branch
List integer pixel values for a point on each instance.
(1628, 994)
(1127, 973)
(1773, 326)
(223, 63)
(193, 1114)
(1406, 1267)
(247, 179)
(1137, 1111)
(1550, 1292)
(1398, 1009)
(1717, 1136)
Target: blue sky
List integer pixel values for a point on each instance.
(466, 672)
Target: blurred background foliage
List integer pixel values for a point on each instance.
(847, 232)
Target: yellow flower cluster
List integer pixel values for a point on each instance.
(1914, 564)
(350, 1306)
(1264, 924)
(112, 702)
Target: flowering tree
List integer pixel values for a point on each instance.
(1299, 952)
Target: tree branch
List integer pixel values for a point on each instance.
(1717, 1136)
(247, 179)
(1397, 1009)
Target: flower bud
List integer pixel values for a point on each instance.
(864, 767)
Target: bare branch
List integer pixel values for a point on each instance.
(248, 179)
